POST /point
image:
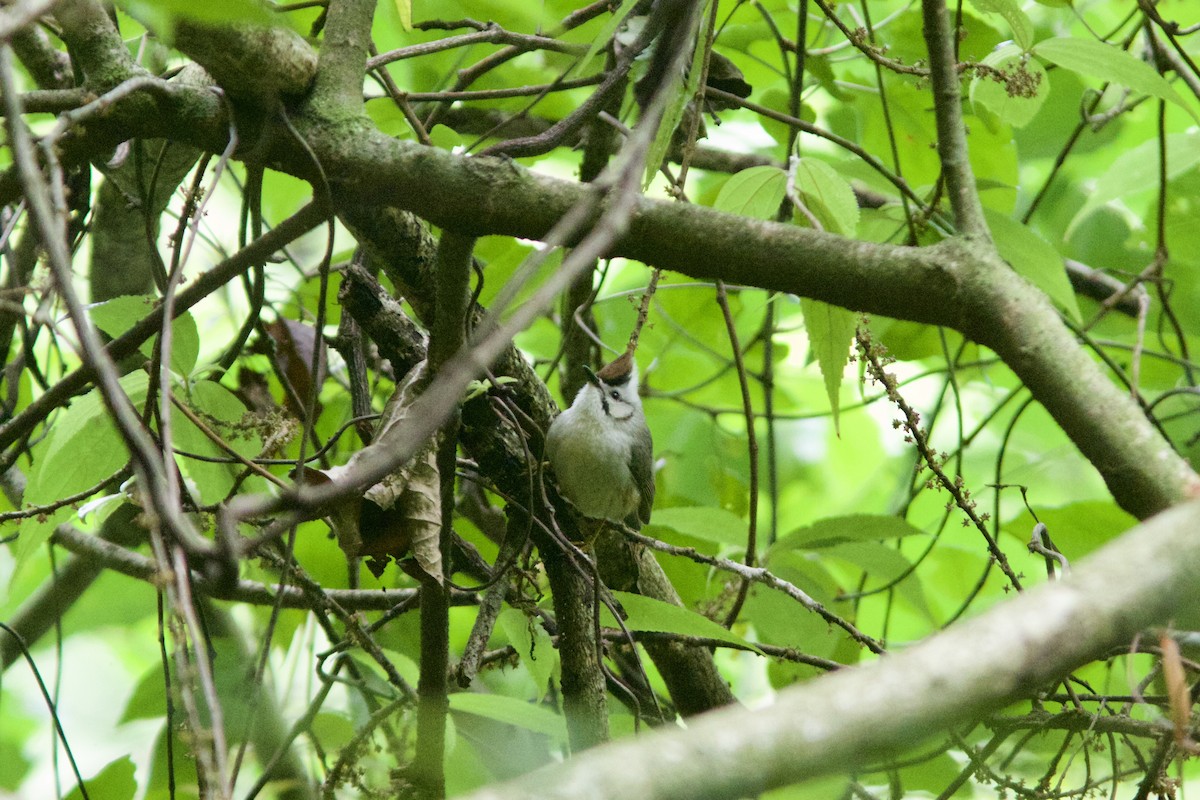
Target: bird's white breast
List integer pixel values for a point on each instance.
(590, 454)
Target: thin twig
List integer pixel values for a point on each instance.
(760, 575)
(873, 356)
(951, 131)
(735, 347)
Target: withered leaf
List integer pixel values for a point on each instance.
(401, 515)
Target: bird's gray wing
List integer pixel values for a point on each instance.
(641, 465)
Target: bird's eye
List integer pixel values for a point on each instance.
(614, 394)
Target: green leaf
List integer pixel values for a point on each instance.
(167, 781)
(605, 35)
(404, 11)
(756, 192)
(884, 564)
(221, 412)
(827, 195)
(334, 730)
(648, 614)
(830, 331)
(373, 679)
(114, 782)
(15, 733)
(445, 137)
(777, 619)
(32, 534)
(1015, 110)
(882, 561)
(1076, 529)
(118, 315)
(83, 448)
(1136, 170)
(852, 528)
(703, 522)
(148, 700)
(185, 344)
(533, 645)
(512, 711)
(674, 113)
(1107, 63)
(933, 776)
(1018, 22)
(1034, 259)
(161, 15)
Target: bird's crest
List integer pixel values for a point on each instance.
(617, 371)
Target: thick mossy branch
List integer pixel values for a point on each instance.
(248, 60)
(948, 284)
(345, 48)
(95, 44)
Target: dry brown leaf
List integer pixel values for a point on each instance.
(1179, 694)
(402, 514)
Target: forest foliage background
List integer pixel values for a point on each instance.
(921, 343)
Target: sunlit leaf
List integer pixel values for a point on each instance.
(1137, 169)
(1076, 529)
(404, 11)
(84, 448)
(1018, 21)
(830, 331)
(826, 195)
(114, 782)
(1034, 259)
(533, 645)
(17, 728)
(755, 192)
(503, 708)
(1107, 63)
(1014, 109)
(648, 614)
(711, 524)
(853, 528)
(118, 315)
(883, 564)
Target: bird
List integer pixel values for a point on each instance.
(601, 448)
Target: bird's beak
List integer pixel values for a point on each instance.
(591, 376)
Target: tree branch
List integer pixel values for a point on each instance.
(344, 51)
(947, 284)
(134, 565)
(447, 336)
(952, 136)
(47, 606)
(249, 60)
(95, 44)
(855, 717)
